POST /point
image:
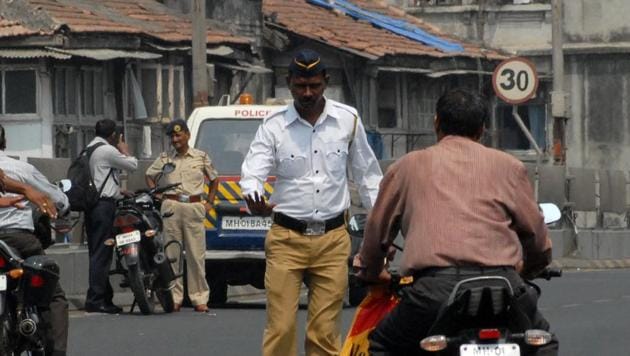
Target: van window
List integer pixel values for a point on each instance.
(227, 142)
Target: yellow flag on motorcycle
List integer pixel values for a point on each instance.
(378, 302)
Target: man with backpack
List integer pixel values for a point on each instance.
(108, 155)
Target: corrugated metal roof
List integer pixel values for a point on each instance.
(142, 17)
(104, 54)
(360, 37)
(245, 67)
(17, 53)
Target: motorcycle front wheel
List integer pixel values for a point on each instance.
(165, 297)
(141, 292)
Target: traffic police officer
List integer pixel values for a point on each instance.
(310, 143)
(188, 203)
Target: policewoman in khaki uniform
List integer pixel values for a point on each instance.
(189, 204)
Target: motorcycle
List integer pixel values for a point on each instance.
(140, 249)
(26, 286)
(482, 315)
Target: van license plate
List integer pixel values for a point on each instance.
(246, 223)
(3, 282)
(489, 350)
(127, 238)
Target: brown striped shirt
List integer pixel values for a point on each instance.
(457, 203)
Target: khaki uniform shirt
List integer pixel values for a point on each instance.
(189, 171)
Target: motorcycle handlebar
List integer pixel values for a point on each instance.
(165, 188)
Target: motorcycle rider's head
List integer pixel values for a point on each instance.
(460, 113)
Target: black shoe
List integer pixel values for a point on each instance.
(107, 309)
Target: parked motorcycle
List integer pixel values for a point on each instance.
(26, 286)
(140, 249)
(483, 315)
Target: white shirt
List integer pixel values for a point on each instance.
(311, 162)
(105, 158)
(13, 218)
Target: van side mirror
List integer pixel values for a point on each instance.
(551, 212)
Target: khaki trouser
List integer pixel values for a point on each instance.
(186, 226)
(321, 261)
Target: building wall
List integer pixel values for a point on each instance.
(596, 68)
(242, 16)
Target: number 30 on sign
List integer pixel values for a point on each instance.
(515, 80)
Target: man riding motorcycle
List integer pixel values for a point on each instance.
(465, 211)
(17, 230)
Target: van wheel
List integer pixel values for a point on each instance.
(218, 292)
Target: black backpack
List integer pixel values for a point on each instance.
(83, 194)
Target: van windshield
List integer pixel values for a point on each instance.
(227, 142)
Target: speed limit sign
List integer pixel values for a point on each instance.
(515, 80)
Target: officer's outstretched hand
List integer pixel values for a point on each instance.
(257, 205)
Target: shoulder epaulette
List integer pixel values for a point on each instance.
(347, 108)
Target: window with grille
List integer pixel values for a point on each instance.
(19, 91)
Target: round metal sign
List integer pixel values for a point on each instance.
(515, 80)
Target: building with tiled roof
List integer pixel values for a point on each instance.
(390, 65)
(68, 63)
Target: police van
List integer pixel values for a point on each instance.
(234, 239)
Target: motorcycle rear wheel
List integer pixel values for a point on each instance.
(5, 346)
(141, 293)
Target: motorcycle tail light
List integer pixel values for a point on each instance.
(127, 229)
(126, 220)
(537, 337)
(37, 281)
(16, 273)
(433, 343)
(3, 262)
(489, 334)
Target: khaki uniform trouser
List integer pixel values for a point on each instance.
(186, 226)
(319, 261)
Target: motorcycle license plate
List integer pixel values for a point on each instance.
(127, 238)
(489, 350)
(246, 223)
(3, 282)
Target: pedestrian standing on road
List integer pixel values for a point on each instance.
(108, 159)
(310, 143)
(189, 203)
(465, 211)
(18, 231)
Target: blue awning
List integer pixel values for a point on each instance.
(396, 26)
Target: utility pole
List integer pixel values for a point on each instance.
(559, 98)
(199, 40)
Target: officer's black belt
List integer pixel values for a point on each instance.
(15, 231)
(301, 225)
(461, 271)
